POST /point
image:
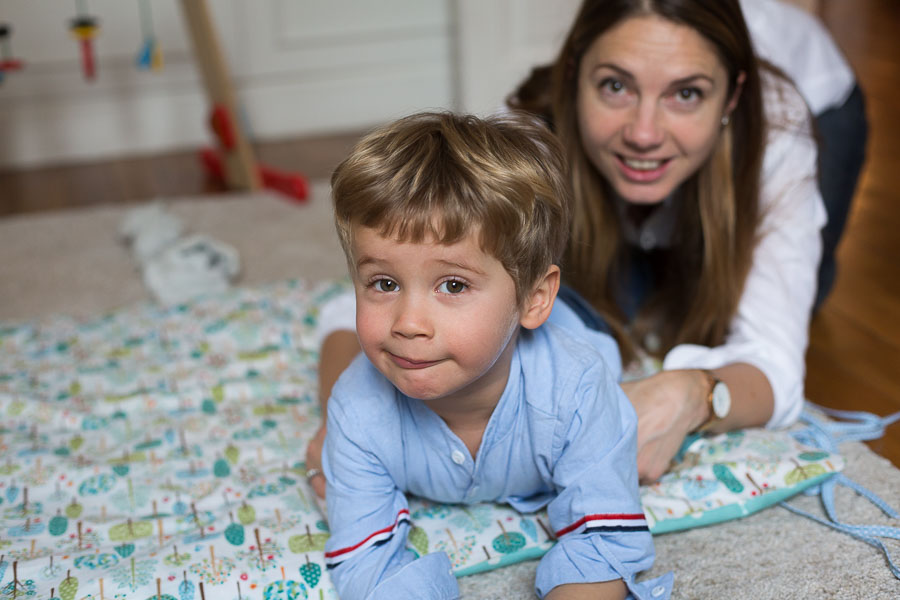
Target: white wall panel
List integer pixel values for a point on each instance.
(324, 65)
(299, 66)
(501, 40)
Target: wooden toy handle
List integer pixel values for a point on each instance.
(240, 168)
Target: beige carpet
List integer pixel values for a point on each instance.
(72, 262)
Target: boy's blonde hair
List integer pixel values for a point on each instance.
(447, 176)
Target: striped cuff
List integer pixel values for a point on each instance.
(605, 523)
(336, 557)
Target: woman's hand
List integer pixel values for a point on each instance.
(314, 462)
(669, 405)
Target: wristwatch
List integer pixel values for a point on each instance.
(718, 399)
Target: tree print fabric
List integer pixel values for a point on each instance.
(159, 453)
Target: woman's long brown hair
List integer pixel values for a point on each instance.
(702, 275)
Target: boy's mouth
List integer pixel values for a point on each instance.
(409, 363)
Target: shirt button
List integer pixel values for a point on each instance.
(652, 342)
(657, 591)
(458, 457)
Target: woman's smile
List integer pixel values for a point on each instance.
(643, 170)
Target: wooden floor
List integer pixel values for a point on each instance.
(143, 178)
(854, 354)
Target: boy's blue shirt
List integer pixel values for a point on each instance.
(563, 435)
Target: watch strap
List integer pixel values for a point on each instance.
(712, 419)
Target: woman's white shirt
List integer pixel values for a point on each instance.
(771, 328)
(797, 43)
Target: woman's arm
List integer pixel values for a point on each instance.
(672, 404)
(338, 350)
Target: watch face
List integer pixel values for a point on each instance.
(721, 400)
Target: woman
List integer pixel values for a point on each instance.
(697, 216)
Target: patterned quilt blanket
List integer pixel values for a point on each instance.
(158, 453)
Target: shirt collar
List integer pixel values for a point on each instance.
(656, 231)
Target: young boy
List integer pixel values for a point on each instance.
(452, 227)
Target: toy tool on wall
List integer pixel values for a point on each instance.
(292, 185)
(232, 160)
(149, 56)
(7, 62)
(85, 27)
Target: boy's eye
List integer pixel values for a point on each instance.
(385, 285)
(452, 287)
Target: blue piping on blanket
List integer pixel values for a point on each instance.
(854, 426)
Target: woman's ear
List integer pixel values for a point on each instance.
(736, 94)
(539, 302)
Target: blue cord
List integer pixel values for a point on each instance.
(827, 435)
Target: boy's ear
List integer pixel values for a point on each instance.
(539, 302)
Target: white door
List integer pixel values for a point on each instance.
(499, 41)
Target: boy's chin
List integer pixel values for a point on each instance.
(417, 384)
(424, 394)
(424, 390)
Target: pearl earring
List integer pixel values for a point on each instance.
(725, 120)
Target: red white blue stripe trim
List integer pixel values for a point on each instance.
(606, 523)
(336, 557)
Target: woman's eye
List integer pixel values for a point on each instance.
(688, 95)
(452, 287)
(612, 86)
(385, 285)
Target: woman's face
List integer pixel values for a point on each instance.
(651, 97)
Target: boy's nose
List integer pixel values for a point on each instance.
(644, 131)
(412, 319)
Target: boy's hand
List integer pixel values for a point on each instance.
(314, 463)
(606, 590)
